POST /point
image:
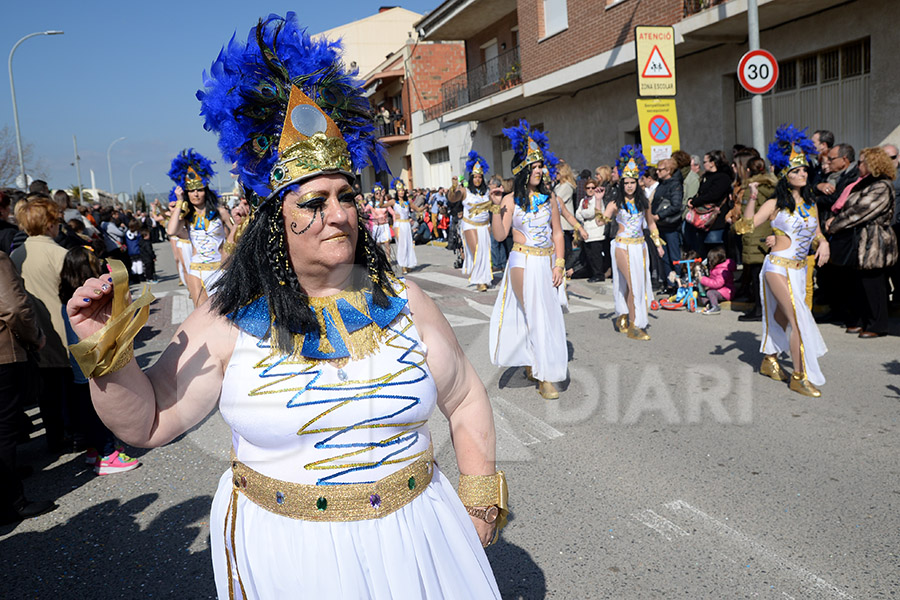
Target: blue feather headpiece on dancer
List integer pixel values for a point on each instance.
(285, 109)
(191, 170)
(475, 163)
(631, 162)
(530, 146)
(790, 150)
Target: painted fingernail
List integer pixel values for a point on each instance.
(87, 299)
(97, 292)
(109, 279)
(104, 287)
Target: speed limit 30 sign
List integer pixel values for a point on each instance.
(758, 71)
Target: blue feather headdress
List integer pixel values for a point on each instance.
(191, 170)
(285, 109)
(530, 146)
(477, 164)
(790, 150)
(396, 183)
(172, 197)
(377, 187)
(631, 162)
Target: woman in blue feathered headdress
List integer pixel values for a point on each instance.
(527, 327)
(476, 223)
(795, 220)
(316, 356)
(632, 288)
(199, 218)
(181, 247)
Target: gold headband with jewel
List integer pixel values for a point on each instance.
(631, 169)
(797, 159)
(310, 144)
(532, 156)
(193, 181)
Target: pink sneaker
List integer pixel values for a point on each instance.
(117, 462)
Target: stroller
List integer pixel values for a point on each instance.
(454, 243)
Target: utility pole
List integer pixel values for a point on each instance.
(77, 167)
(757, 119)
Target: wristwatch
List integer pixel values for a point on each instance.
(487, 514)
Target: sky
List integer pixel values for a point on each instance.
(132, 69)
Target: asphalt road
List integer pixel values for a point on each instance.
(667, 469)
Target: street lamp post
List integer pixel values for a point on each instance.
(12, 89)
(112, 190)
(131, 179)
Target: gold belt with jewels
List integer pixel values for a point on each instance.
(629, 240)
(401, 220)
(788, 263)
(532, 250)
(476, 223)
(350, 502)
(195, 266)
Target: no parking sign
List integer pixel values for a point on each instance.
(659, 128)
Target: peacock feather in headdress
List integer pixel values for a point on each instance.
(631, 161)
(191, 170)
(285, 109)
(477, 164)
(790, 150)
(530, 146)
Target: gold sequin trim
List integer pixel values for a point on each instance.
(476, 223)
(212, 266)
(787, 263)
(629, 240)
(351, 502)
(532, 250)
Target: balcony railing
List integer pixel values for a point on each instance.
(494, 75)
(692, 7)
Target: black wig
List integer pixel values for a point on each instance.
(210, 204)
(784, 199)
(520, 187)
(640, 199)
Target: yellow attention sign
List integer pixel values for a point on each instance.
(659, 128)
(655, 52)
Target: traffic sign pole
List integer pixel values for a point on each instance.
(757, 120)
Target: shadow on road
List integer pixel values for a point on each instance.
(518, 576)
(746, 343)
(102, 552)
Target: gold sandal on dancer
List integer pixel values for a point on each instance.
(801, 385)
(771, 368)
(481, 287)
(548, 391)
(528, 375)
(637, 334)
(622, 323)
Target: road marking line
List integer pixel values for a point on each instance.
(458, 321)
(538, 425)
(442, 278)
(484, 309)
(751, 545)
(660, 525)
(181, 308)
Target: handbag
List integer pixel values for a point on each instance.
(672, 220)
(702, 217)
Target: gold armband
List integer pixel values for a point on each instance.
(228, 247)
(486, 490)
(496, 208)
(599, 216)
(560, 262)
(111, 348)
(657, 241)
(743, 226)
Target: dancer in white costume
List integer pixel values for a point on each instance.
(527, 327)
(788, 324)
(406, 250)
(199, 219)
(378, 212)
(632, 289)
(325, 366)
(476, 223)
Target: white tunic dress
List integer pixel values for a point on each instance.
(207, 236)
(774, 339)
(406, 253)
(631, 240)
(313, 423)
(477, 217)
(533, 333)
